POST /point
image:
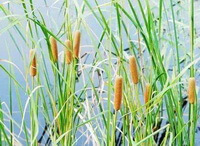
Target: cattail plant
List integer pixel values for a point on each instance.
(33, 63)
(118, 92)
(133, 69)
(147, 93)
(54, 49)
(76, 48)
(191, 90)
(68, 54)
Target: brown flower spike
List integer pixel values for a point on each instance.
(118, 92)
(147, 93)
(54, 49)
(77, 40)
(68, 54)
(133, 69)
(191, 90)
(33, 63)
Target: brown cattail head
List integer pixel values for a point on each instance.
(54, 49)
(68, 54)
(118, 92)
(191, 90)
(147, 93)
(77, 40)
(33, 63)
(133, 69)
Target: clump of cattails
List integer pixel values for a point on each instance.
(133, 69)
(54, 49)
(191, 90)
(77, 40)
(68, 54)
(118, 92)
(33, 63)
(147, 93)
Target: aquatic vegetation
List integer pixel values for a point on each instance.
(33, 66)
(191, 90)
(133, 69)
(95, 72)
(68, 54)
(118, 92)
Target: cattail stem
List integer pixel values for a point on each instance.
(118, 92)
(133, 69)
(68, 54)
(33, 63)
(54, 49)
(114, 129)
(191, 90)
(77, 40)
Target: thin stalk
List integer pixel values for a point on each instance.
(192, 111)
(177, 54)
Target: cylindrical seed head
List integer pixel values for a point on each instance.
(118, 92)
(68, 54)
(33, 63)
(54, 48)
(147, 93)
(133, 69)
(77, 40)
(191, 90)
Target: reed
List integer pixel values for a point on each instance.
(147, 93)
(191, 90)
(118, 92)
(77, 40)
(68, 53)
(72, 95)
(54, 49)
(133, 69)
(33, 63)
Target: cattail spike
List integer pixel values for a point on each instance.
(118, 92)
(77, 40)
(191, 90)
(147, 93)
(68, 54)
(54, 49)
(33, 63)
(133, 69)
